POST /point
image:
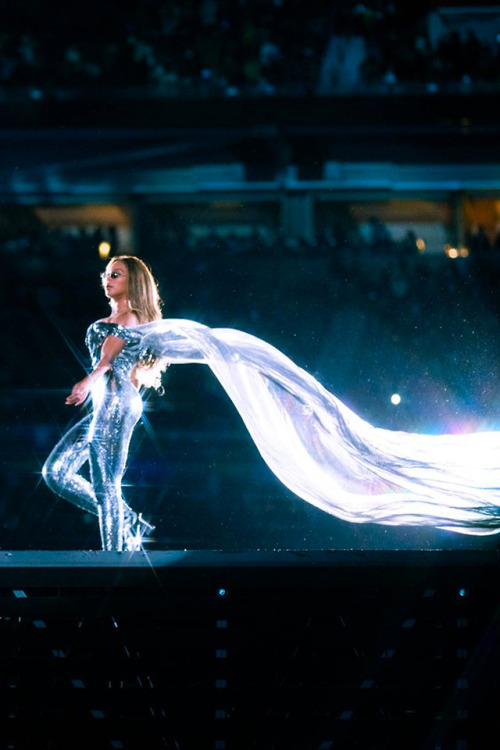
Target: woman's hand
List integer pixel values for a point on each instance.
(79, 392)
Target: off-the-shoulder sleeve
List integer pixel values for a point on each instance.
(100, 330)
(130, 335)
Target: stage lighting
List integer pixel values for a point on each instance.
(104, 250)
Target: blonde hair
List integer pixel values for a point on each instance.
(142, 288)
(145, 302)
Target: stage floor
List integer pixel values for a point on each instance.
(258, 567)
(188, 558)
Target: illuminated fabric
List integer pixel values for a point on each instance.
(318, 448)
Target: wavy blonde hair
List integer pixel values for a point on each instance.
(142, 288)
(145, 302)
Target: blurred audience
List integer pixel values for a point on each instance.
(276, 284)
(231, 48)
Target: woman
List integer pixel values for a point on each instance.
(313, 443)
(104, 438)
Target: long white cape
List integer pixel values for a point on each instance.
(326, 454)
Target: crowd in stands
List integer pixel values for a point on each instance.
(231, 48)
(227, 278)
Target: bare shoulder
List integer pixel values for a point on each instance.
(127, 319)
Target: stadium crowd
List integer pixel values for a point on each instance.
(231, 48)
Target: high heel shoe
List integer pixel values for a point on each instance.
(134, 532)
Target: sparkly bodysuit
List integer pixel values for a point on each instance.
(101, 439)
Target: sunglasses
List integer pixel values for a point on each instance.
(111, 275)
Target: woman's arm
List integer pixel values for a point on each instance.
(110, 350)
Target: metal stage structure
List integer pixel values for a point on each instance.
(281, 650)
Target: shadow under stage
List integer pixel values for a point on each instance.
(313, 650)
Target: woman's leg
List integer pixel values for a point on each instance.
(109, 442)
(62, 467)
(106, 480)
(61, 473)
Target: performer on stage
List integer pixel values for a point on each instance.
(103, 439)
(316, 446)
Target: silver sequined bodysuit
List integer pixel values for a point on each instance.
(102, 439)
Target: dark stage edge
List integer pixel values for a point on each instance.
(251, 558)
(260, 565)
(205, 572)
(253, 567)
